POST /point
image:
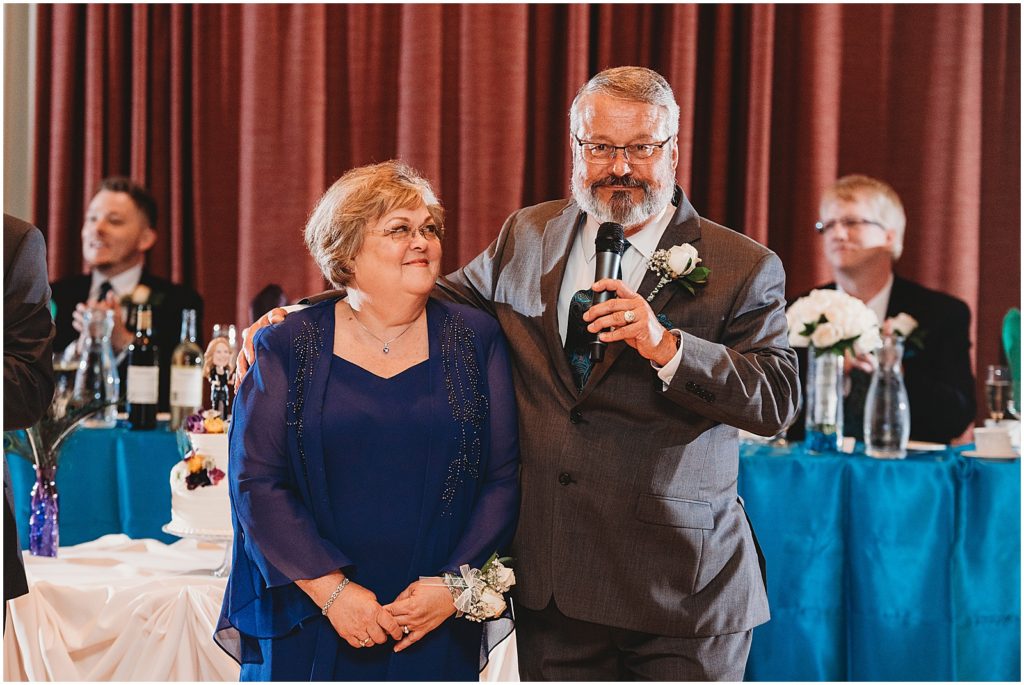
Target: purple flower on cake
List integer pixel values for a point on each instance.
(194, 424)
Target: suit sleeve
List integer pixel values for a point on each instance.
(281, 536)
(493, 520)
(940, 384)
(750, 379)
(28, 335)
(475, 283)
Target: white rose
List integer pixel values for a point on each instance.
(492, 602)
(682, 259)
(869, 341)
(141, 294)
(825, 335)
(504, 578)
(902, 324)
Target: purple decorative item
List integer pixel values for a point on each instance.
(43, 529)
(194, 424)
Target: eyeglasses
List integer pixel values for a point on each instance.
(603, 153)
(847, 222)
(405, 234)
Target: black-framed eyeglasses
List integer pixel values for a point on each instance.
(603, 153)
(848, 222)
(405, 234)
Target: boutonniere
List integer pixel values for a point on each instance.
(139, 296)
(678, 263)
(905, 326)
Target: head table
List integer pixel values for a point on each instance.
(877, 570)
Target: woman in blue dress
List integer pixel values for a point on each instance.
(373, 444)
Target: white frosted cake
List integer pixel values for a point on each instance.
(199, 487)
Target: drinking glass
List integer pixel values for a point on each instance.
(999, 392)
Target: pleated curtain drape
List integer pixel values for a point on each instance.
(239, 116)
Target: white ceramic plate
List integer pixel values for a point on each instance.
(920, 446)
(978, 455)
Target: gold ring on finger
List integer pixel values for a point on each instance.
(629, 315)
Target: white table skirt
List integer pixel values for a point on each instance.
(117, 609)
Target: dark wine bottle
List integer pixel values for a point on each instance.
(143, 372)
(186, 373)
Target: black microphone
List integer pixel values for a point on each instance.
(610, 244)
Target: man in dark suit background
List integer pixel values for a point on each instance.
(28, 363)
(863, 224)
(119, 228)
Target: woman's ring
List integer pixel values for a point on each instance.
(365, 641)
(405, 629)
(629, 315)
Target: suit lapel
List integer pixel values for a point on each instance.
(559, 234)
(683, 228)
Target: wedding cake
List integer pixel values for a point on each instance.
(199, 487)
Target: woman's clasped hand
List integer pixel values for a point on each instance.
(362, 622)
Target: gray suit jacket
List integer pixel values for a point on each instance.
(630, 516)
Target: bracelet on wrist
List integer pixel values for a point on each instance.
(334, 596)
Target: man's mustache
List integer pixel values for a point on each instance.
(627, 181)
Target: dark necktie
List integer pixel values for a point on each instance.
(577, 338)
(105, 288)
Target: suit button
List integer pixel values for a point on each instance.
(564, 478)
(575, 416)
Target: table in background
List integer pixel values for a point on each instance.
(885, 570)
(118, 609)
(110, 480)
(877, 570)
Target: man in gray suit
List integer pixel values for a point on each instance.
(634, 558)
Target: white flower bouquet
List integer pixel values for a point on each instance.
(833, 322)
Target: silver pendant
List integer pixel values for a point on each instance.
(386, 349)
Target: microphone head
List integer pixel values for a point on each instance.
(611, 237)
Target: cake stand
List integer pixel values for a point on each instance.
(205, 535)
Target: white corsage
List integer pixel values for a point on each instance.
(678, 263)
(478, 593)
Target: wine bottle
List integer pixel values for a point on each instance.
(143, 372)
(186, 373)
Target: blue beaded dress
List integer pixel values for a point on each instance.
(391, 479)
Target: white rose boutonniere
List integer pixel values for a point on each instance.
(141, 294)
(678, 263)
(907, 327)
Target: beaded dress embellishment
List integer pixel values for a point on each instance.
(307, 346)
(468, 403)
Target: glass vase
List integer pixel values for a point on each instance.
(43, 528)
(824, 398)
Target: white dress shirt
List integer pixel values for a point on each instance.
(579, 272)
(124, 283)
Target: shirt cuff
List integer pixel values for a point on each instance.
(668, 372)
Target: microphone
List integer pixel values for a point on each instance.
(610, 244)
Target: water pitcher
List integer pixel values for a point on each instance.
(887, 410)
(97, 379)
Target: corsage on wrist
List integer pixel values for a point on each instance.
(478, 594)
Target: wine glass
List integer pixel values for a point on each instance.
(999, 392)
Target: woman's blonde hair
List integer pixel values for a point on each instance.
(334, 232)
(208, 357)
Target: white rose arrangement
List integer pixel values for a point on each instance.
(678, 263)
(479, 594)
(833, 322)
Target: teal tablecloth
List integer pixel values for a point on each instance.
(110, 480)
(885, 570)
(877, 570)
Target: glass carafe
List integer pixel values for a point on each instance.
(887, 409)
(97, 379)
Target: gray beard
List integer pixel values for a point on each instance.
(621, 209)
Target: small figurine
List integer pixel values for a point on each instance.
(219, 369)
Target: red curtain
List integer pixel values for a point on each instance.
(238, 117)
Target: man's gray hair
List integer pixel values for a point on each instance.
(638, 84)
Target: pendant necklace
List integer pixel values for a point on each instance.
(385, 343)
